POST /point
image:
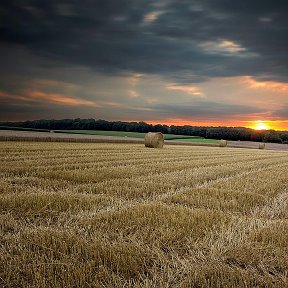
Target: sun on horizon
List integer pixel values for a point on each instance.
(260, 125)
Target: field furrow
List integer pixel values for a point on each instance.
(122, 215)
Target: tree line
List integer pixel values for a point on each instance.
(228, 133)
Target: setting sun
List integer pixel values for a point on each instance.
(260, 125)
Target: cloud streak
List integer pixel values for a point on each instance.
(32, 96)
(58, 99)
(223, 46)
(191, 90)
(273, 86)
(152, 16)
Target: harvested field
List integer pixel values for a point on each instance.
(43, 135)
(12, 135)
(122, 215)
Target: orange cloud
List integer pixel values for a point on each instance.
(7, 97)
(55, 98)
(133, 80)
(60, 99)
(279, 87)
(231, 46)
(225, 46)
(133, 94)
(2, 94)
(191, 90)
(152, 16)
(111, 104)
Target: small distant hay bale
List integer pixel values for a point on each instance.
(52, 131)
(262, 145)
(154, 140)
(222, 143)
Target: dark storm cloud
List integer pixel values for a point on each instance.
(124, 36)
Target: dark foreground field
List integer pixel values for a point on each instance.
(122, 215)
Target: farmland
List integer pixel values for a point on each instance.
(114, 134)
(122, 215)
(139, 135)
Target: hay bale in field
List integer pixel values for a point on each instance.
(52, 131)
(154, 140)
(222, 143)
(262, 145)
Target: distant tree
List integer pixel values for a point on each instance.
(227, 133)
(272, 136)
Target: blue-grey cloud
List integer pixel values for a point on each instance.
(112, 36)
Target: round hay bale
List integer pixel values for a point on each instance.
(222, 143)
(52, 131)
(262, 145)
(154, 140)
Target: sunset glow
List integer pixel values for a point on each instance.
(260, 125)
(253, 124)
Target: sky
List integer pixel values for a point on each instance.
(196, 62)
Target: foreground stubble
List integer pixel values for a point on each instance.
(120, 215)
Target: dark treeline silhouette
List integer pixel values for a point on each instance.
(228, 133)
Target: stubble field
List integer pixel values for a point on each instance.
(122, 215)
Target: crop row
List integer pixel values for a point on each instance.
(122, 215)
